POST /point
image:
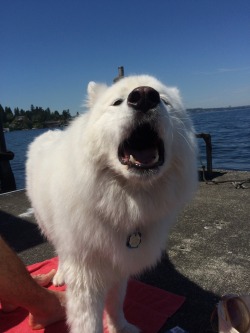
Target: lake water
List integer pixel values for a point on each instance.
(230, 131)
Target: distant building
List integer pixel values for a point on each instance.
(20, 122)
(52, 123)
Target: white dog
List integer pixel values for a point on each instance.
(106, 191)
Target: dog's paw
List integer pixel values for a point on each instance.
(58, 279)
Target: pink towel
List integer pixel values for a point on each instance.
(146, 307)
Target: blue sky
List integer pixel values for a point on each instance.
(51, 49)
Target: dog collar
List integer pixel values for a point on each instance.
(134, 240)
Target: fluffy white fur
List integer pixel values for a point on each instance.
(87, 203)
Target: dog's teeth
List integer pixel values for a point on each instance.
(132, 159)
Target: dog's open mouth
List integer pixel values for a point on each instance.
(143, 149)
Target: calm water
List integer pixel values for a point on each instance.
(230, 132)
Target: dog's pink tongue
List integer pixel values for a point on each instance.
(145, 156)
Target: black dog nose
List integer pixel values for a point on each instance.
(143, 98)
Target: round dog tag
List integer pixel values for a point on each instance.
(134, 240)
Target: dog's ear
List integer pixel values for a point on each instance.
(94, 91)
(175, 97)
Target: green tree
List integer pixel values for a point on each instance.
(38, 115)
(34, 117)
(28, 114)
(47, 114)
(16, 112)
(66, 115)
(1, 110)
(8, 114)
(56, 115)
(22, 112)
(2, 113)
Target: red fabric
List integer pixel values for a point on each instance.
(145, 306)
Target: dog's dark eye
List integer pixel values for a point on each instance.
(117, 102)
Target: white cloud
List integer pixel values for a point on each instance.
(236, 69)
(224, 70)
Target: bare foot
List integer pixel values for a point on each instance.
(54, 311)
(44, 279)
(41, 279)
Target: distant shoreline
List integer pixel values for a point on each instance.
(229, 108)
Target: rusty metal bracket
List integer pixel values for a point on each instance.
(7, 179)
(207, 138)
(120, 74)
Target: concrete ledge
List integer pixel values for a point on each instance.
(208, 253)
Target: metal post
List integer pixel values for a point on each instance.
(7, 180)
(207, 138)
(120, 74)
